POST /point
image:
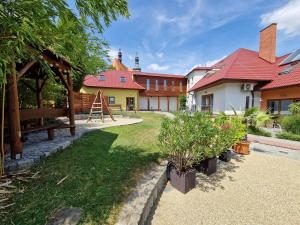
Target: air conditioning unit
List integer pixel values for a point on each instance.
(247, 87)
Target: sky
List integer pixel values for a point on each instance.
(173, 36)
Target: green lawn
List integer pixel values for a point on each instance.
(102, 167)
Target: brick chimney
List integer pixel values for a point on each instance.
(267, 43)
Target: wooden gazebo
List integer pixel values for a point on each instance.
(16, 118)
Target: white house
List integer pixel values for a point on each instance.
(196, 74)
(236, 81)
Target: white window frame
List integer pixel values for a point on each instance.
(148, 84)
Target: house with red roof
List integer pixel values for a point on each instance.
(134, 89)
(247, 78)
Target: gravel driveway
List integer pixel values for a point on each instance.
(257, 189)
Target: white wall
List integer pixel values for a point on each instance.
(226, 96)
(193, 78)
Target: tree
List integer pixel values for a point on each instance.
(42, 23)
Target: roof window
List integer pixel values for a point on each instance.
(102, 77)
(123, 79)
(286, 70)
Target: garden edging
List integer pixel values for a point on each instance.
(140, 202)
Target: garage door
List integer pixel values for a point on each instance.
(173, 104)
(163, 104)
(153, 103)
(143, 103)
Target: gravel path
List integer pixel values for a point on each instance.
(258, 189)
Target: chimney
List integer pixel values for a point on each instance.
(120, 55)
(267, 43)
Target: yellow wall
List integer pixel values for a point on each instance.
(119, 94)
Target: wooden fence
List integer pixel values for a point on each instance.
(83, 102)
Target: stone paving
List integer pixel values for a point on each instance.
(38, 146)
(274, 142)
(257, 189)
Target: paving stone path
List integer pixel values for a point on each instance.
(38, 146)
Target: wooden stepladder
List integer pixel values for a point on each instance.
(98, 107)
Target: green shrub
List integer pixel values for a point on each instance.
(178, 138)
(291, 124)
(230, 131)
(288, 136)
(294, 108)
(258, 131)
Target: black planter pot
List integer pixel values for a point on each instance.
(207, 166)
(225, 156)
(183, 182)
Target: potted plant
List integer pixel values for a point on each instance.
(241, 145)
(178, 142)
(226, 136)
(206, 138)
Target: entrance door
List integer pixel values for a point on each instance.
(130, 104)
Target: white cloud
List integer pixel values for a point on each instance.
(212, 62)
(113, 53)
(200, 16)
(287, 17)
(160, 55)
(156, 67)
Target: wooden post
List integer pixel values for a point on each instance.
(148, 103)
(71, 104)
(168, 100)
(39, 98)
(158, 104)
(14, 115)
(177, 105)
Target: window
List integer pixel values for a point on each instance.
(123, 79)
(285, 106)
(180, 86)
(207, 103)
(191, 81)
(247, 102)
(173, 85)
(273, 106)
(111, 100)
(148, 84)
(102, 77)
(165, 85)
(156, 85)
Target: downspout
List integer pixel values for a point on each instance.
(252, 95)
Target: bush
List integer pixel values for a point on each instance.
(294, 108)
(178, 138)
(288, 136)
(259, 131)
(291, 124)
(231, 131)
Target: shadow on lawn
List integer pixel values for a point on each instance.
(100, 177)
(224, 169)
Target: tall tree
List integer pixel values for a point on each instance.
(44, 23)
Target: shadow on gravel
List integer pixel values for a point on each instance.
(224, 169)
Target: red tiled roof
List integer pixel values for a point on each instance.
(112, 80)
(157, 74)
(243, 64)
(283, 80)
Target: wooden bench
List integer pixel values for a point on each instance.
(35, 114)
(50, 129)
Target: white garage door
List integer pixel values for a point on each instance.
(153, 103)
(143, 103)
(163, 104)
(173, 104)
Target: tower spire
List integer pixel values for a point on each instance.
(120, 55)
(137, 63)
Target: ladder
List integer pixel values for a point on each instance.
(98, 108)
